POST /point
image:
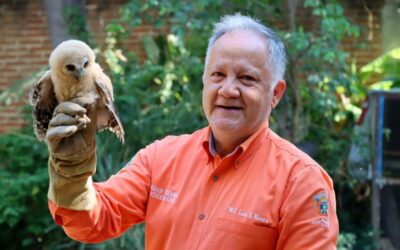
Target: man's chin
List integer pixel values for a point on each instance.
(226, 126)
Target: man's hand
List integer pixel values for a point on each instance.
(72, 128)
(72, 148)
(68, 118)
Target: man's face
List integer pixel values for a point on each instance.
(238, 94)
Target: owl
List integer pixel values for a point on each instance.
(74, 73)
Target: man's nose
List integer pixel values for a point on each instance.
(229, 88)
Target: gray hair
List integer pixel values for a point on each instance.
(276, 49)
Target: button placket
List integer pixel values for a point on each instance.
(211, 192)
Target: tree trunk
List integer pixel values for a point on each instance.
(291, 6)
(295, 105)
(57, 26)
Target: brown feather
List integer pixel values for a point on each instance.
(107, 117)
(43, 101)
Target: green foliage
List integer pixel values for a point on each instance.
(24, 218)
(321, 99)
(383, 72)
(75, 19)
(149, 94)
(346, 241)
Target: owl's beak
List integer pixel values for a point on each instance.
(79, 73)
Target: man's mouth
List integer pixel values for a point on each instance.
(229, 107)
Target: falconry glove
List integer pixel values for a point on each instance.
(72, 147)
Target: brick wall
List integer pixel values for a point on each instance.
(25, 44)
(24, 49)
(366, 14)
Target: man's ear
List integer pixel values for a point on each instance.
(279, 90)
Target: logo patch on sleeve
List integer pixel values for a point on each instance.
(321, 204)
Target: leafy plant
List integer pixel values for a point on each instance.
(346, 241)
(383, 72)
(75, 19)
(24, 217)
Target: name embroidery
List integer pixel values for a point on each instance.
(248, 215)
(163, 194)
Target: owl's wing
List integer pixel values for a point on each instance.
(107, 117)
(43, 101)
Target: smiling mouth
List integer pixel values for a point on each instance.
(229, 107)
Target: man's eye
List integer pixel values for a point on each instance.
(217, 74)
(248, 78)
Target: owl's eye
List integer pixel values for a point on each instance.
(86, 64)
(70, 67)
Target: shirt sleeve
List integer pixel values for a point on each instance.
(121, 202)
(308, 213)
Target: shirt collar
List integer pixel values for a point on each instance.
(245, 149)
(206, 143)
(253, 142)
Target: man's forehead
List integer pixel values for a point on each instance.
(241, 37)
(245, 49)
(239, 65)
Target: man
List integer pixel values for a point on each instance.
(232, 185)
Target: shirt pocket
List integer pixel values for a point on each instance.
(237, 235)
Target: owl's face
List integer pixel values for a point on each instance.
(76, 68)
(72, 59)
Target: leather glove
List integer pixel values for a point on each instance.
(71, 141)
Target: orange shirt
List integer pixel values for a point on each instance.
(265, 195)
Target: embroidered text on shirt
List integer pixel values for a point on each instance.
(247, 215)
(163, 194)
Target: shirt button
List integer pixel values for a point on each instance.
(202, 216)
(215, 178)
